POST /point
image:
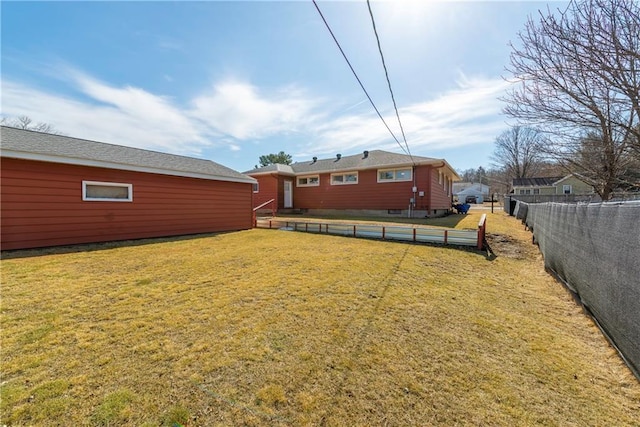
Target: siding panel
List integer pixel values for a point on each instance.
(368, 193)
(42, 205)
(267, 190)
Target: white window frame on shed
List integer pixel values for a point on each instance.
(87, 195)
(344, 178)
(394, 175)
(567, 189)
(308, 181)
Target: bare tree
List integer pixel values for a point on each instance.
(518, 152)
(577, 73)
(25, 122)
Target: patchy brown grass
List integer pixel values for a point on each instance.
(266, 327)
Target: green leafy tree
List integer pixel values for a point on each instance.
(270, 159)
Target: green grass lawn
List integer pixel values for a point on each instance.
(270, 327)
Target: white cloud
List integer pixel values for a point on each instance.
(126, 116)
(466, 115)
(241, 111)
(235, 115)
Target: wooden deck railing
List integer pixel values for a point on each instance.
(482, 230)
(273, 210)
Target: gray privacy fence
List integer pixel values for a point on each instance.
(595, 250)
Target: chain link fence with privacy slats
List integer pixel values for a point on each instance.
(595, 250)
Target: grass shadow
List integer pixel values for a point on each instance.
(100, 246)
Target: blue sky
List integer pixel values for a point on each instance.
(232, 80)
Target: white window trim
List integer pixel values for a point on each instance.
(257, 187)
(394, 175)
(106, 184)
(344, 182)
(567, 186)
(307, 177)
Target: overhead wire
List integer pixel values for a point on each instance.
(358, 78)
(386, 73)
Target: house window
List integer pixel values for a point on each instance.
(256, 187)
(344, 178)
(392, 175)
(536, 191)
(309, 181)
(566, 189)
(521, 191)
(94, 191)
(527, 191)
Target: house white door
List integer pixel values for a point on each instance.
(288, 194)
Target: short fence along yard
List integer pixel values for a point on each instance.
(415, 234)
(277, 328)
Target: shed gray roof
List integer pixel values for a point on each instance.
(26, 144)
(373, 159)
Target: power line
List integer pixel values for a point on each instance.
(386, 73)
(356, 76)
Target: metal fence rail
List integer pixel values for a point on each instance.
(445, 236)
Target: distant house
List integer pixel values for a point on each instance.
(558, 185)
(57, 190)
(374, 183)
(470, 192)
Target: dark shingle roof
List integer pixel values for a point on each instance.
(536, 182)
(374, 159)
(25, 144)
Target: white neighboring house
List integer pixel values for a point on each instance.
(470, 192)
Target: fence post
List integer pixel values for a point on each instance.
(446, 236)
(482, 225)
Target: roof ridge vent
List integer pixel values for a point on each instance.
(315, 159)
(366, 154)
(338, 156)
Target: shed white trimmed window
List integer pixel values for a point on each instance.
(95, 191)
(566, 189)
(308, 181)
(344, 178)
(393, 175)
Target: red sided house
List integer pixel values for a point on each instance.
(57, 190)
(374, 183)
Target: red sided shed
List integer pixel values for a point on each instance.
(56, 190)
